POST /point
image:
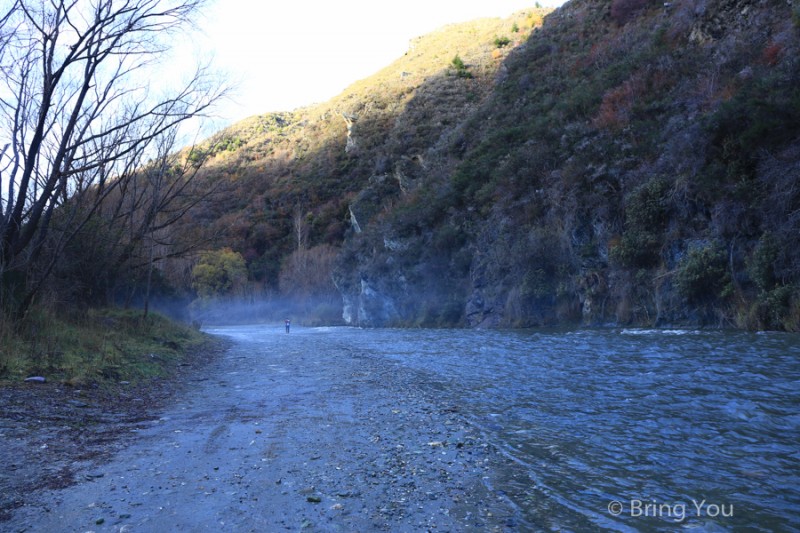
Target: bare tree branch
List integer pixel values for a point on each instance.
(76, 124)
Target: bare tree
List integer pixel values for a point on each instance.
(78, 118)
(159, 198)
(300, 225)
(306, 272)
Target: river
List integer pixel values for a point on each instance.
(346, 429)
(621, 429)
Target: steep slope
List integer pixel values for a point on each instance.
(628, 162)
(637, 163)
(291, 185)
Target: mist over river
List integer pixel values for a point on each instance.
(620, 429)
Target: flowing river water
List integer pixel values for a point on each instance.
(625, 429)
(345, 429)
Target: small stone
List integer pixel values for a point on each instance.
(313, 499)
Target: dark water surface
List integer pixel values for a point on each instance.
(621, 429)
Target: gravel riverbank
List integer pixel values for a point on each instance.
(280, 432)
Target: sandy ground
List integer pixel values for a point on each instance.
(285, 432)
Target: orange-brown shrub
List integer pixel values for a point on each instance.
(615, 109)
(772, 54)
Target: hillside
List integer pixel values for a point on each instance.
(290, 183)
(631, 162)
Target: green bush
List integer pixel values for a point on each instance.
(777, 309)
(481, 167)
(702, 275)
(765, 113)
(637, 249)
(219, 273)
(646, 215)
(647, 206)
(501, 42)
(461, 69)
(761, 263)
(777, 303)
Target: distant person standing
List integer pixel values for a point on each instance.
(288, 325)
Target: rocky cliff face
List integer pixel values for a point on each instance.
(628, 163)
(623, 162)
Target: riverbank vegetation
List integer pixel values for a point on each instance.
(93, 186)
(95, 347)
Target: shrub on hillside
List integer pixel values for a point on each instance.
(460, 68)
(702, 275)
(766, 113)
(761, 263)
(646, 214)
(778, 309)
(501, 42)
(777, 301)
(617, 105)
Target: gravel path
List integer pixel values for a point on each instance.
(287, 432)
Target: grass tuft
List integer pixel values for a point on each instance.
(95, 347)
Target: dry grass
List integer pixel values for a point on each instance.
(96, 347)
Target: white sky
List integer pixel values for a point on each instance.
(292, 53)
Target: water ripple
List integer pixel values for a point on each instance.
(669, 419)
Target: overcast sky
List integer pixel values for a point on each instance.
(288, 54)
